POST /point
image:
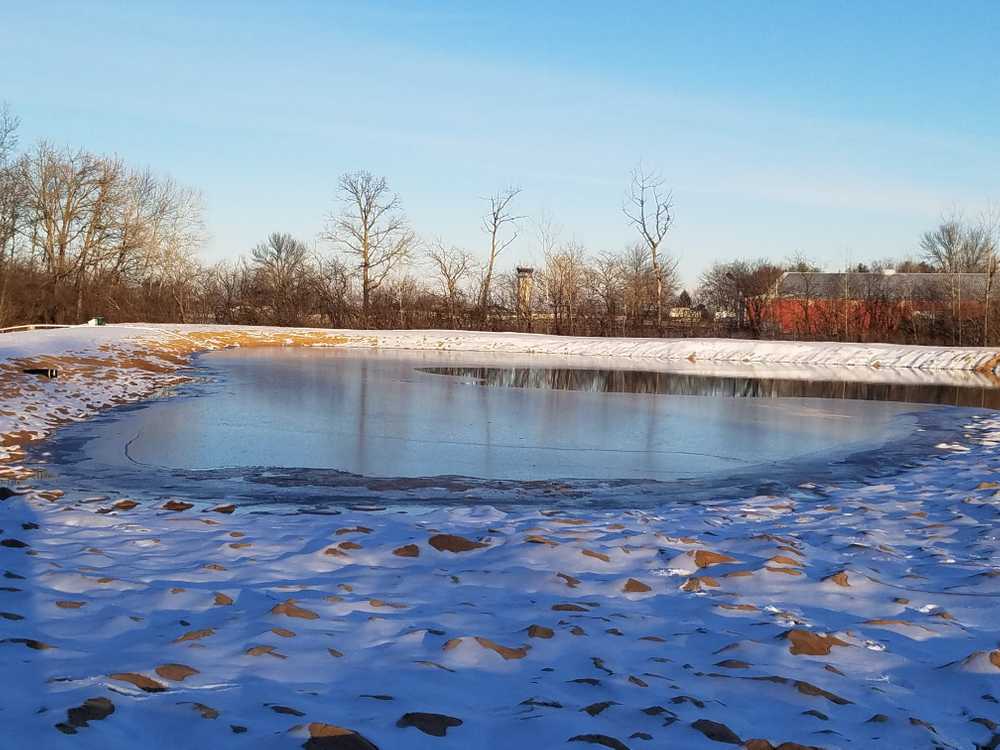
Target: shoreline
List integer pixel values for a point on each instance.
(131, 361)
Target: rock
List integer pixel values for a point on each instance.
(453, 543)
(807, 688)
(331, 737)
(600, 739)
(68, 604)
(207, 712)
(540, 631)
(596, 555)
(407, 550)
(221, 600)
(287, 710)
(175, 672)
(29, 642)
(140, 681)
(92, 709)
(632, 586)
(596, 708)
(177, 505)
(716, 731)
(125, 505)
(732, 664)
(811, 644)
(264, 650)
(13, 543)
(290, 609)
(568, 608)
(436, 725)
(229, 508)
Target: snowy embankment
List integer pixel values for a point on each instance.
(852, 616)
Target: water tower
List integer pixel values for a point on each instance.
(525, 280)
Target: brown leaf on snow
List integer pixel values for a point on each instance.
(140, 681)
(290, 609)
(453, 543)
(504, 651)
(703, 558)
(569, 580)
(633, 586)
(177, 505)
(539, 631)
(175, 672)
(265, 651)
(811, 644)
(194, 635)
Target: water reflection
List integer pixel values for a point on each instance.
(380, 414)
(680, 384)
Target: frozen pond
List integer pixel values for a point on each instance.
(417, 414)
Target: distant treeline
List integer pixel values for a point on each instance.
(84, 235)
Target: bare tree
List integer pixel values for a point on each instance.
(649, 208)
(373, 228)
(605, 279)
(495, 223)
(9, 123)
(958, 247)
(451, 266)
(743, 289)
(332, 285)
(11, 202)
(563, 283)
(281, 263)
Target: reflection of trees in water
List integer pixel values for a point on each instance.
(632, 381)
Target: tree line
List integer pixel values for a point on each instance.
(83, 235)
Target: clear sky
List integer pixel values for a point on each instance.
(839, 129)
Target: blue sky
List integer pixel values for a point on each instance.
(842, 130)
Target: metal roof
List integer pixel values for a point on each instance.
(855, 285)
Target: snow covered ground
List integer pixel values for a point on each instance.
(851, 616)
